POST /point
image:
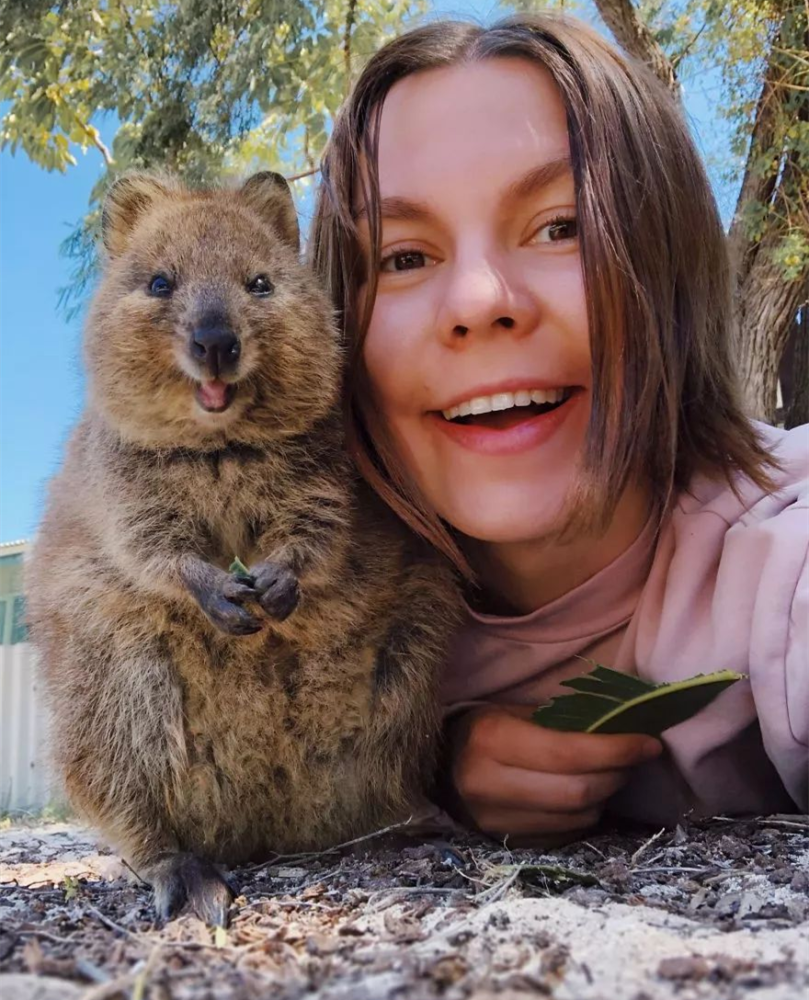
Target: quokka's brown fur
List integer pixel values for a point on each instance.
(184, 735)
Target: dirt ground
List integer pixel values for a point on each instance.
(713, 909)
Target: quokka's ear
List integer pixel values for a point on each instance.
(128, 198)
(268, 195)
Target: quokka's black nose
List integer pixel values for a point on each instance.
(217, 348)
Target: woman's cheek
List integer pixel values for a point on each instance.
(390, 355)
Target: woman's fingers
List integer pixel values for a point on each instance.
(501, 734)
(515, 777)
(501, 786)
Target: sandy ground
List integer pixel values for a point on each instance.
(715, 909)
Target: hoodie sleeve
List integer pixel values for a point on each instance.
(779, 646)
(730, 590)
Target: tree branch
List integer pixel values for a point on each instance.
(688, 45)
(350, 15)
(94, 137)
(624, 21)
(306, 173)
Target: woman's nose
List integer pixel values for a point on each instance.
(480, 298)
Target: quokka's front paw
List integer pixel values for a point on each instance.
(276, 588)
(222, 605)
(180, 879)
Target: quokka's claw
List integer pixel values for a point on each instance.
(231, 617)
(184, 879)
(277, 589)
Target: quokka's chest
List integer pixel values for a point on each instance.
(228, 498)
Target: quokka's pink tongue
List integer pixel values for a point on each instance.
(213, 395)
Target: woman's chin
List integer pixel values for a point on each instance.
(502, 518)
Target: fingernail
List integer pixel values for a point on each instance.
(652, 748)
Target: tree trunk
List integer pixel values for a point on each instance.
(795, 373)
(766, 302)
(767, 307)
(631, 33)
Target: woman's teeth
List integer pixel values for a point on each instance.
(505, 401)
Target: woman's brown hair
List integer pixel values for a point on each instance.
(656, 276)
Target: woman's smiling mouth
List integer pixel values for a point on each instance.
(504, 409)
(504, 423)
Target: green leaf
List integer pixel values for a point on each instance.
(608, 701)
(548, 879)
(71, 885)
(238, 568)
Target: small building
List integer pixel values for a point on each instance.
(24, 781)
(12, 602)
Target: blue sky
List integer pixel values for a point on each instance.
(41, 386)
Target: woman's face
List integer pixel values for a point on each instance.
(478, 350)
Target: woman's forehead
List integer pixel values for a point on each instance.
(484, 122)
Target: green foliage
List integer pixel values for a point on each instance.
(204, 88)
(792, 253)
(71, 887)
(550, 880)
(608, 701)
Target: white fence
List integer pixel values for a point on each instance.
(24, 780)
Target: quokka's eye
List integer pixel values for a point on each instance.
(160, 286)
(260, 286)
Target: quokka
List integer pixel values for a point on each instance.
(199, 717)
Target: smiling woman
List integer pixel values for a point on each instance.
(495, 288)
(534, 288)
(524, 179)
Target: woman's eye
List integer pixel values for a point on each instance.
(160, 286)
(260, 286)
(557, 231)
(404, 260)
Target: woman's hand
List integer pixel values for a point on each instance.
(515, 777)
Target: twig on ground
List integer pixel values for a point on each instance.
(499, 889)
(586, 843)
(471, 878)
(307, 856)
(671, 869)
(112, 926)
(390, 896)
(45, 936)
(137, 875)
(644, 846)
(785, 822)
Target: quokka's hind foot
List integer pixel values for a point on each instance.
(183, 879)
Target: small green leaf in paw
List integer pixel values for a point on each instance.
(238, 568)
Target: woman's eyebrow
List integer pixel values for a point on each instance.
(402, 209)
(538, 178)
(405, 210)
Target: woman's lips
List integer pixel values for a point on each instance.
(525, 431)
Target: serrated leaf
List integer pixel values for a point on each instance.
(608, 701)
(550, 878)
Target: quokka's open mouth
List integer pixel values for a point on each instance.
(215, 396)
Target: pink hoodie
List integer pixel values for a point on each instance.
(726, 586)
